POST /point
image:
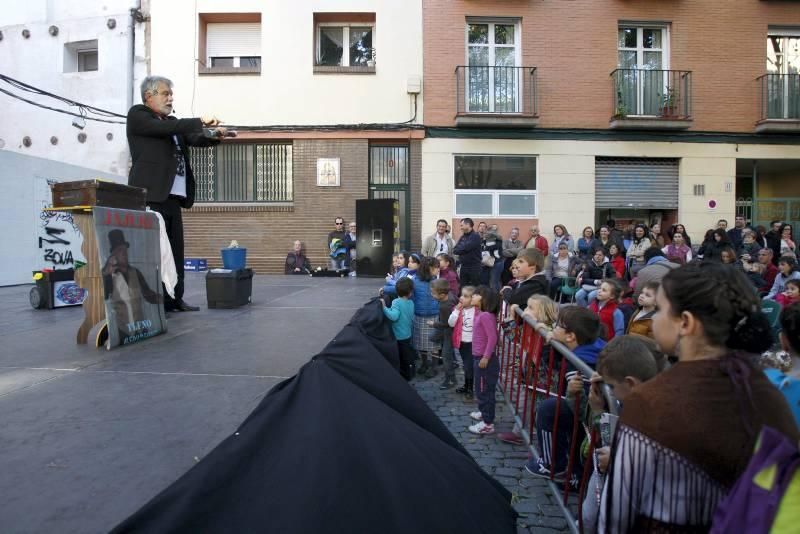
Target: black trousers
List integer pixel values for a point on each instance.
(407, 357)
(470, 276)
(170, 209)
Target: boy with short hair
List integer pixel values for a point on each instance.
(579, 330)
(624, 364)
(440, 291)
(531, 277)
(401, 314)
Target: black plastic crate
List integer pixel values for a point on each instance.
(229, 290)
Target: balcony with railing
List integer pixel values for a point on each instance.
(496, 96)
(779, 98)
(651, 99)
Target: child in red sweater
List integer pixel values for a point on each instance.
(486, 364)
(617, 260)
(790, 295)
(605, 306)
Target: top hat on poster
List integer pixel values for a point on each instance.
(117, 238)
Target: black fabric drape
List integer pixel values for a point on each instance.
(346, 445)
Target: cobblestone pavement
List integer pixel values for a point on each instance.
(538, 511)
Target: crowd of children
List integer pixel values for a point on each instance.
(704, 315)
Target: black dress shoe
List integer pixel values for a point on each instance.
(183, 307)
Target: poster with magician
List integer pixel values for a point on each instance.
(129, 252)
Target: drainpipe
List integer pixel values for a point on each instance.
(135, 16)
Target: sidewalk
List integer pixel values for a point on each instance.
(538, 511)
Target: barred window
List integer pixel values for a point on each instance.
(243, 173)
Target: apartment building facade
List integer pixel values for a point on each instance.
(325, 97)
(556, 112)
(79, 50)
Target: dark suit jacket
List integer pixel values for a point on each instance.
(153, 151)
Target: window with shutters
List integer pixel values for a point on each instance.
(344, 43)
(238, 173)
(230, 43)
(495, 186)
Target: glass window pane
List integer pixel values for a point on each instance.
(627, 59)
(250, 61)
(222, 62)
(792, 55)
(478, 33)
(503, 35)
(495, 172)
(330, 45)
(474, 204)
(652, 60)
(479, 56)
(87, 60)
(504, 57)
(517, 205)
(360, 45)
(627, 38)
(652, 37)
(774, 54)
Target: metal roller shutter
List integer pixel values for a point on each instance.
(639, 183)
(234, 39)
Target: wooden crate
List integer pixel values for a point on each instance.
(98, 193)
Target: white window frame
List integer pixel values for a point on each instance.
(236, 61)
(236, 58)
(82, 52)
(74, 49)
(492, 46)
(345, 39)
(640, 50)
(783, 33)
(497, 193)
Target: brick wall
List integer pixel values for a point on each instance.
(268, 232)
(573, 44)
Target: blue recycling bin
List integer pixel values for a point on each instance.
(234, 258)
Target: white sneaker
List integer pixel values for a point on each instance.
(481, 428)
(478, 416)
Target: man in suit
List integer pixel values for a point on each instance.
(160, 163)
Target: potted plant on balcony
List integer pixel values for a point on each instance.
(621, 112)
(669, 103)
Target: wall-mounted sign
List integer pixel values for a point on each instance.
(328, 172)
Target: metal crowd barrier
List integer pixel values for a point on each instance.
(531, 371)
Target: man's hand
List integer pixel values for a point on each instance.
(575, 385)
(219, 132)
(429, 323)
(297, 269)
(484, 363)
(603, 457)
(110, 266)
(209, 121)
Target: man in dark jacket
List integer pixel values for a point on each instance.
(735, 234)
(468, 250)
(774, 240)
(160, 164)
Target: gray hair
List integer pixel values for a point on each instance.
(151, 83)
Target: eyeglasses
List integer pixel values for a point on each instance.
(339, 224)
